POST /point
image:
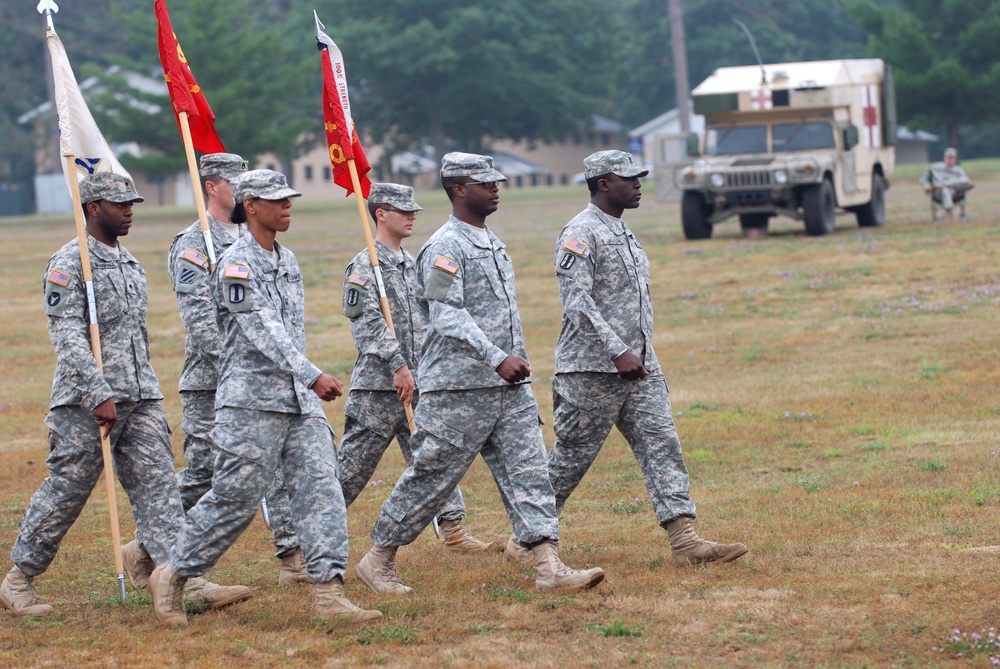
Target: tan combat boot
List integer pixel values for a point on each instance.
(458, 541)
(518, 554)
(17, 594)
(377, 570)
(167, 588)
(138, 564)
(212, 595)
(293, 569)
(331, 604)
(552, 574)
(687, 548)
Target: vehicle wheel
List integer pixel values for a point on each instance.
(754, 224)
(694, 216)
(820, 208)
(872, 213)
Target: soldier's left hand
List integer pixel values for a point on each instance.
(328, 388)
(402, 381)
(514, 369)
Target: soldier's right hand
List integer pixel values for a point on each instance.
(514, 369)
(105, 415)
(630, 367)
(327, 388)
(402, 381)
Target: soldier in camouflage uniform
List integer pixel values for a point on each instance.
(606, 370)
(947, 182)
(475, 397)
(383, 374)
(268, 414)
(188, 263)
(124, 402)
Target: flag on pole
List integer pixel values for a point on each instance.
(185, 93)
(341, 135)
(79, 135)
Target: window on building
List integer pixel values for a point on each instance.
(309, 172)
(327, 174)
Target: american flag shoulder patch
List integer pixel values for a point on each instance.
(358, 279)
(447, 264)
(236, 272)
(196, 257)
(59, 278)
(576, 246)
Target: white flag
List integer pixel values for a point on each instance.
(79, 135)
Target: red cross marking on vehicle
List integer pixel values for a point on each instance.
(761, 98)
(870, 115)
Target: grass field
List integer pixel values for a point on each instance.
(837, 402)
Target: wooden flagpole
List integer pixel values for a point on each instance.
(199, 197)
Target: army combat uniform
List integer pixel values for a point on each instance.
(373, 412)
(140, 441)
(188, 266)
(465, 287)
(267, 419)
(603, 276)
(950, 183)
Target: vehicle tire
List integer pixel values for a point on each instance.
(872, 213)
(819, 207)
(750, 222)
(694, 216)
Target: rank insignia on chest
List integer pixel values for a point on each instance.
(237, 272)
(576, 246)
(358, 279)
(59, 278)
(447, 264)
(196, 257)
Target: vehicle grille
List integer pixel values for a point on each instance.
(748, 179)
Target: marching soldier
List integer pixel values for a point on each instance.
(125, 403)
(475, 398)
(383, 374)
(268, 414)
(188, 265)
(606, 370)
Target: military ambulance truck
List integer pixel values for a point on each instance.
(796, 139)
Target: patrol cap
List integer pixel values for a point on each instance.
(108, 186)
(951, 153)
(612, 162)
(394, 195)
(476, 167)
(225, 165)
(265, 184)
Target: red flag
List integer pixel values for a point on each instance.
(185, 94)
(341, 135)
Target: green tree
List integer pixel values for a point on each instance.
(457, 74)
(945, 56)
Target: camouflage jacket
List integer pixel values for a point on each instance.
(122, 299)
(188, 266)
(940, 174)
(466, 291)
(603, 276)
(379, 353)
(261, 314)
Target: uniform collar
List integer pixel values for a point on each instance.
(616, 225)
(464, 229)
(387, 256)
(100, 251)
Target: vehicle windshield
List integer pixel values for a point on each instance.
(736, 139)
(802, 136)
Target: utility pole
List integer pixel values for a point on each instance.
(679, 46)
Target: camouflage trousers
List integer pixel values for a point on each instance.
(144, 462)
(253, 445)
(585, 407)
(946, 196)
(199, 454)
(452, 428)
(371, 419)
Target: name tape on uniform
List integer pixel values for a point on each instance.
(447, 264)
(237, 272)
(196, 257)
(59, 278)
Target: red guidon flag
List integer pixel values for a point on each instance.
(341, 136)
(185, 94)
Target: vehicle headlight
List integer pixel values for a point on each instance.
(717, 180)
(780, 177)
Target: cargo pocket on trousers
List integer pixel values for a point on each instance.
(38, 521)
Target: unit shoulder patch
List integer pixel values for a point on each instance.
(195, 256)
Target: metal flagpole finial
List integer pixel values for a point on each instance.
(48, 8)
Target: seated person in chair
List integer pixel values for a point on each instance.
(946, 182)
